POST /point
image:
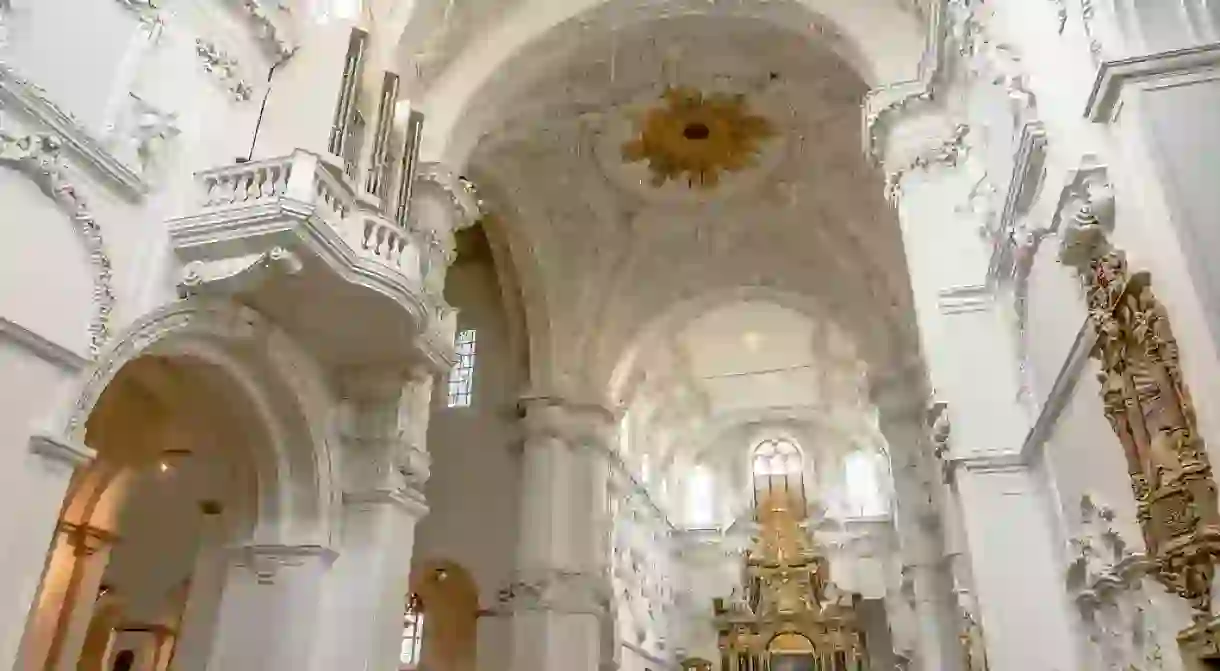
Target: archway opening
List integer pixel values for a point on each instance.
(137, 566)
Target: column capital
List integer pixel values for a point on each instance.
(556, 590)
(438, 180)
(410, 499)
(574, 423)
(266, 561)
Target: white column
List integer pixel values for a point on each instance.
(197, 630)
(383, 422)
(367, 592)
(269, 614)
(1016, 566)
(919, 525)
(969, 348)
(561, 587)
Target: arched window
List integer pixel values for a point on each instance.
(412, 634)
(700, 498)
(862, 475)
(777, 468)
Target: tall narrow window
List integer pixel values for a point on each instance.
(461, 378)
(864, 494)
(412, 634)
(700, 504)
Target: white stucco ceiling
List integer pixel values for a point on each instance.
(609, 258)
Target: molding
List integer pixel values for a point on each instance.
(37, 156)
(33, 101)
(964, 299)
(1112, 76)
(62, 450)
(912, 94)
(948, 153)
(233, 275)
(274, 36)
(225, 68)
(267, 560)
(1061, 391)
(999, 461)
(1027, 173)
(409, 499)
(461, 192)
(46, 350)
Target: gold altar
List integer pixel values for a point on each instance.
(788, 616)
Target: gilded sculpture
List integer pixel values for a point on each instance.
(1149, 408)
(696, 137)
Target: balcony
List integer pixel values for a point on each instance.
(289, 237)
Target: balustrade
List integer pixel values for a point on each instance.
(303, 177)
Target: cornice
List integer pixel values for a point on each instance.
(1112, 76)
(881, 105)
(62, 450)
(30, 99)
(51, 352)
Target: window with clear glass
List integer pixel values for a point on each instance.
(700, 498)
(412, 634)
(777, 468)
(461, 378)
(864, 495)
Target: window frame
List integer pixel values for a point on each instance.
(459, 387)
(413, 621)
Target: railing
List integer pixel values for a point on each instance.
(304, 178)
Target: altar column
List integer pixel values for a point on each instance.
(560, 589)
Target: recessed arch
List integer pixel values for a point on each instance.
(277, 381)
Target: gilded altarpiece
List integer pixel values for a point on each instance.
(788, 615)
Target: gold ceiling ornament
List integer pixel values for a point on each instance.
(697, 137)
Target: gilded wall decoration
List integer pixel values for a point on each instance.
(1151, 412)
(697, 137)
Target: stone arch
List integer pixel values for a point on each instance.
(283, 386)
(882, 41)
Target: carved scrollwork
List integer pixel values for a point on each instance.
(1150, 410)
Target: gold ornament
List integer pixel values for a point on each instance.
(1149, 407)
(697, 137)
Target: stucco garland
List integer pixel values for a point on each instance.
(37, 157)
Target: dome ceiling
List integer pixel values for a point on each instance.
(611, 253)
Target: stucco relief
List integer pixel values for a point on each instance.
(555, 590)
(37, 156)
(225, 68)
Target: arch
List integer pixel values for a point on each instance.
(450, 599)
(282, 386)
(881, 41)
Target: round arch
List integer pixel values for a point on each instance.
(281, 386)
(883, 42)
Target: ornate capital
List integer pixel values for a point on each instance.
(575, 424)
(460, 192)
(266, 562)
(556, 591)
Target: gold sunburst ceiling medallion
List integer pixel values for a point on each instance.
(697, 137)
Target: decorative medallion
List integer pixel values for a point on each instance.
(696, 137)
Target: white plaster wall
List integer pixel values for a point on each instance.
(473, 490)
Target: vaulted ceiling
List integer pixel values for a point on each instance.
(605, 260)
